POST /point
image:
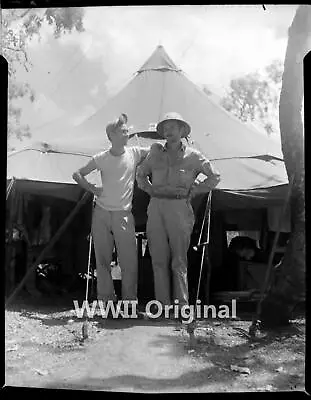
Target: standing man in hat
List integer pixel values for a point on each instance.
(173, 169)
(112, 219)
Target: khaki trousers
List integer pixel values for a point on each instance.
(169, 227)
(109, 228)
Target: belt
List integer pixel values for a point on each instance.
(170, 196)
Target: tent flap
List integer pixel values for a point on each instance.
(257, 198)
(58, 190)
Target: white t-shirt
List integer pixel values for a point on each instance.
(118, 177)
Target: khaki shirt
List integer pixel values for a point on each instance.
(174, 174)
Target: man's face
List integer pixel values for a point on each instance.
(172, 131)
(120, 135)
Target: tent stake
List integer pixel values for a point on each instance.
(48, 247)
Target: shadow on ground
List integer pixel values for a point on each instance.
(216, 358)
(216, 362)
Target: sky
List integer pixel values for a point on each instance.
(74, 75)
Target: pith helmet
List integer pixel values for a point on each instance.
(175, 117)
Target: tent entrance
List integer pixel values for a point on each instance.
(53, 229)
(31, 210)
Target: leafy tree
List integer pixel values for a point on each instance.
(254, 97)
(18, 28)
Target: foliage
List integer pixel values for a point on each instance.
(255, 96)
(18, 28)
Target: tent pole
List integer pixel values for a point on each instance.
(271, 256)
(49, 246)
(209, 265)
(85, 334)
(89, 262)
(9, 244)
(191, 327)
(207, 214)
(10, 187)
(91, 238)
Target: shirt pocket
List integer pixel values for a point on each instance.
(159, 176)
(184, 177)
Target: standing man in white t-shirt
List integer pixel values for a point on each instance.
(113, 221)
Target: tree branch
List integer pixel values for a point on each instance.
(13, 49)
(20, 51)
(25, 13)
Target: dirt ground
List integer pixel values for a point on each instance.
(43, 349)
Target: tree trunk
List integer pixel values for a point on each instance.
(289, 289)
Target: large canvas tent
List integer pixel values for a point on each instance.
(253, 174)
(251, 164)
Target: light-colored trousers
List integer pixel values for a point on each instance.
(109, 228)
(169, 227)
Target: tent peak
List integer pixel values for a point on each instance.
(159, 60)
